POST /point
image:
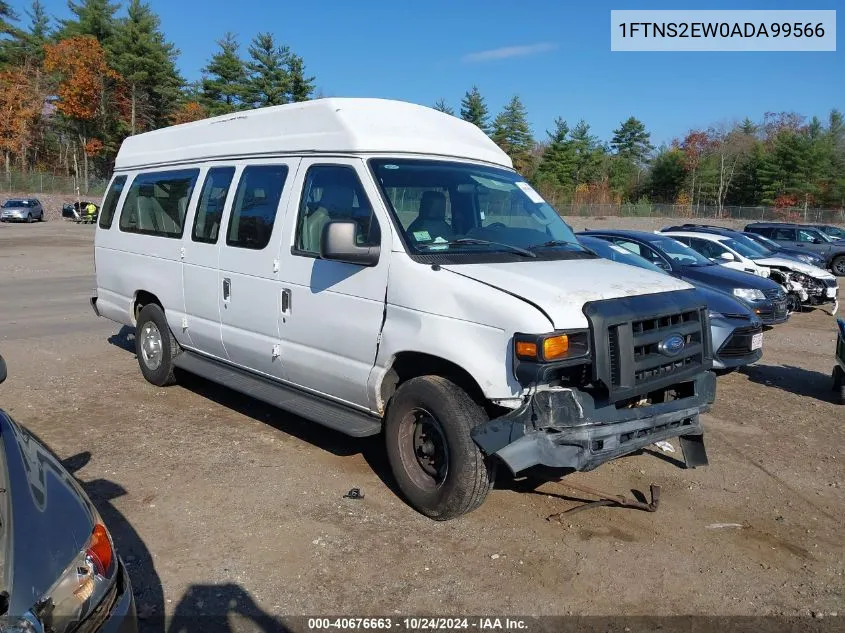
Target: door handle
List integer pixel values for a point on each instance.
(285, 300)
(227, 288)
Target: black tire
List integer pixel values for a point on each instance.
(839, 384)
(29, 219)
(432, 414)
(838, 266)
(41, 217)
(161, 373)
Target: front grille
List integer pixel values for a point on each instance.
(631, 339)
(739, 343)
(650, 362)
(774, 293)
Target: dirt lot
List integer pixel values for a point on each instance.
(219, 504)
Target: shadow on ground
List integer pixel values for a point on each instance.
(795, 380)
(334, 442)
(224, 608)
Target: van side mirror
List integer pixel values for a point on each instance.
(728, 257)
(339, 244)
(2, 369)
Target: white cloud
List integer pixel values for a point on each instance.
(510, 51)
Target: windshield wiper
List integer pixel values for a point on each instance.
(474, 240)
(552, 243)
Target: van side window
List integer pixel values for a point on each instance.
(213, 195)
(333, 192)
(785, 234)
(156, 203)
(110, 204)
(256, 202)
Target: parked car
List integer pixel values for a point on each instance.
(801, 255)
(80, 211)
(763, 296)
(737, 332)
(378, 266)
(807, 237)
(832, 231)
(22, 210)
(805, 256)
(804, 284)
(839, 367)
(62, 572)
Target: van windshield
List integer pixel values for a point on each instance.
(450, 207)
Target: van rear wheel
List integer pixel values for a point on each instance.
(155, 346)
(839, 383)
(438, 467)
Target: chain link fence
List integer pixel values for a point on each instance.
(40, 182)
(748, 214)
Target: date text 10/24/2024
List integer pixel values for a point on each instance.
(505, 625)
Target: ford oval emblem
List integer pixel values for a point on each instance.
(672, 345)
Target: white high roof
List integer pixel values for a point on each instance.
(339, 125)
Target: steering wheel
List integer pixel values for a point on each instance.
(496, 225)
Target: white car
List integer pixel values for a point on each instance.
(379, 267)
(804, 283)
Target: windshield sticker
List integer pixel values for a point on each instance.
(422, 236)
(529, 191)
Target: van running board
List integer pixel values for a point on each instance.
(314, 408)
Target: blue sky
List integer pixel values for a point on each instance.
(559, 59)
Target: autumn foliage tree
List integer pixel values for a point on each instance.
(188, 112)
(20, 106)
(89, 91)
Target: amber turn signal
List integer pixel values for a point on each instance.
(526, 350)
(555, 347)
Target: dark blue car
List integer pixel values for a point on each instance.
(61, 570)
(763, 296)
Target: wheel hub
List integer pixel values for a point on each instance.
(151, 346)
(429, 445)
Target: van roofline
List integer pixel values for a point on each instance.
(305, 154)
(335, 125)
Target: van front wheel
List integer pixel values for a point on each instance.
(437, 466)
(155, 346)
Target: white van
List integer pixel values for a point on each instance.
(378, 266)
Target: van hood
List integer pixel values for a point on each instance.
(561, 288)
(797, 266)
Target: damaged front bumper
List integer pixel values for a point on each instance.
(563, 428)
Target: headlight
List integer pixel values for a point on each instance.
(549, 348)
(807, 259)
(82, 585)
(749, 294)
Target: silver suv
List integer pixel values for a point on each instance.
(22, 210)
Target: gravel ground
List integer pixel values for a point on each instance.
(219, 504)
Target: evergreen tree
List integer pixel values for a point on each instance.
(474, 109)
(746, 189)
(512, 133)
(147, 62)
(589, 155)
(9, 33)
(557, 163)
(835, 149)
(225, 78)
(301, 86)
(38, 33)
(442, 106)
(668, 173)
(268, 83)
(632, 141)
(748, 127)
(93, 17)
(782, 169)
